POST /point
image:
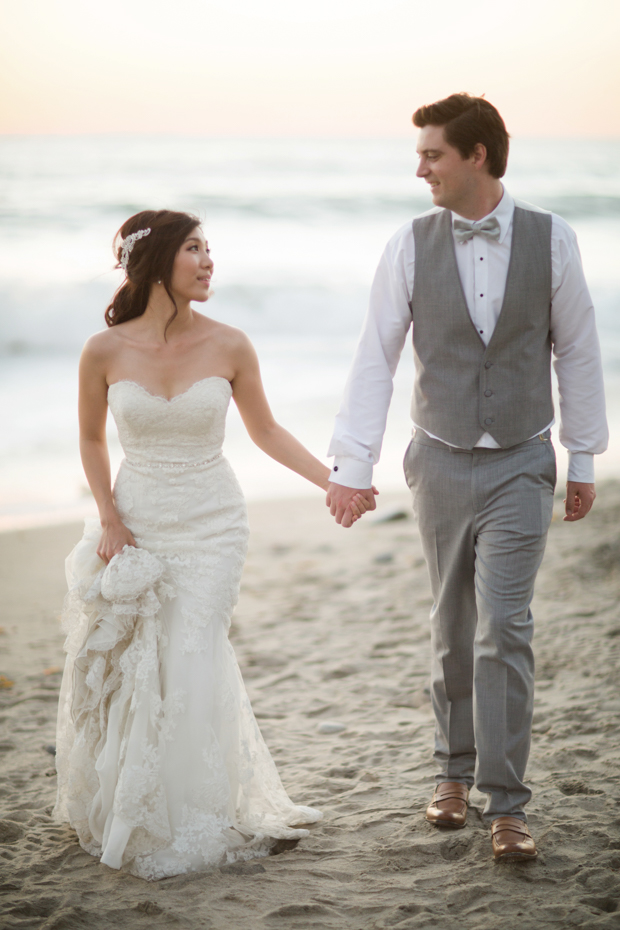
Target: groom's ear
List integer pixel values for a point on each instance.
(479, 156)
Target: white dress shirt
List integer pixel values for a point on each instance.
(483, 269)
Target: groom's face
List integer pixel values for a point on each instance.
(450, 177)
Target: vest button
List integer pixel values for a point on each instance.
(488, 421)
(488, 364)
(488, 393)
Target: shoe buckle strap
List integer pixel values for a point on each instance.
(450, 795)
(502, 829)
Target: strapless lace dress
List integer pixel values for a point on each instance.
(161, 766)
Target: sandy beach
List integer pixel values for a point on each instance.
(332, 637)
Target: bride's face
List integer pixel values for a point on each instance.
(192, 269)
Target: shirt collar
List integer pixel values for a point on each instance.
(503, 212)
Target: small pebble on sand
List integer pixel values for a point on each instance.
(331, 726)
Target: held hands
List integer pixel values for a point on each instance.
(578, 501)
(114, 537)
(349, 504)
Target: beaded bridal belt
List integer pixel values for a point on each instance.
(173, 464)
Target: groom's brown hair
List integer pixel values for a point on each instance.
(467, 121)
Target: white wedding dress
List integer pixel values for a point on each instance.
(161, 766)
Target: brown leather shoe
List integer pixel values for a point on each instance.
(512, 839)
(448, 807)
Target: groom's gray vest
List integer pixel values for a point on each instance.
(462, 387)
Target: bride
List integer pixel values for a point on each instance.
(161, 766)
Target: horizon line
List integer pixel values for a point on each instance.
(273, 137)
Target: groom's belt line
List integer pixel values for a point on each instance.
(423, 439)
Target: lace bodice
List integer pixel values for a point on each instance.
(187, 430)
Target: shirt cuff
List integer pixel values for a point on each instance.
(351, 473)
(581, 467)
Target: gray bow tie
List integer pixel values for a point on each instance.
(464, 230)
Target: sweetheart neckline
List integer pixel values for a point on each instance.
(169, 400)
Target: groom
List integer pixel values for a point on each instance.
(494, 288)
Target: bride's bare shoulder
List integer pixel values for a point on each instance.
(230, 338)
(101, 350)
(101, 344)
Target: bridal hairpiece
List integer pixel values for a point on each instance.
(128, 244)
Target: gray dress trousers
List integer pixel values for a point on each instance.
(483, 517)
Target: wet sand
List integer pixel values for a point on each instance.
(332, 628)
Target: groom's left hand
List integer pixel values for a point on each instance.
(578, 501)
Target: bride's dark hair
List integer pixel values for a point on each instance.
(150, 260)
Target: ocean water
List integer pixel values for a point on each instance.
(296, 229)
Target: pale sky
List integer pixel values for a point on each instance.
(318, 68)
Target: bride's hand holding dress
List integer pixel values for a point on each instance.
(114, 537)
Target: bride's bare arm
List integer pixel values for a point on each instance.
(249, 395)
(268, 435)
(93, 409)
